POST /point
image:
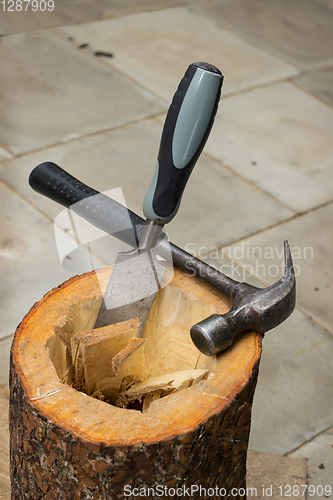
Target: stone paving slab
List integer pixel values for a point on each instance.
(173, 39)
(4, 452)
(52, 92)
(270, 476)
(214, 209)
(29, 264)
(126, 158)
(221, 261)
(13, 21)
(319, 458)
(293, 398)
(319, 83)
(311, 242)
(74, 11)
(299, 31)
(280, 138)
(4, 155)
(5, 346)
(124, 7)
(327, 3)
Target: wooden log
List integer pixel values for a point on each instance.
(189, 430)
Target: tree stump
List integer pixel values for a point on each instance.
(95, 415)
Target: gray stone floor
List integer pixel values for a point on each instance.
(266, 174)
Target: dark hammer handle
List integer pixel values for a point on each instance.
(103, 212)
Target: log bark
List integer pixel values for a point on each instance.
(66, 444)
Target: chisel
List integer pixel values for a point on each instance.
(137, 275)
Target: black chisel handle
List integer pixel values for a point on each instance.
(187, 126)
(103, 212)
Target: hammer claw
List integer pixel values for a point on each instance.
(252, 308)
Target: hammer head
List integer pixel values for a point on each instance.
(252, 308)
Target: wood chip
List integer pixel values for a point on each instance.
(169, 382)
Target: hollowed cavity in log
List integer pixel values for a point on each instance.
(113, 365)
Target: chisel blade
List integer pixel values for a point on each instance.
(136, 277)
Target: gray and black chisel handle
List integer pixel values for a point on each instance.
(186, 129)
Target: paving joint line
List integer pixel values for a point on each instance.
(90, 52)
(90, 252)
(314, 320)
(266, 284)
(7, 149)
(81, 137)
(4, 160)
(295, 214)
(248, 181)
(234, 30)
(52, 221)
(135, 82)
(317, 207)
(108, 17)
(58, 32)
(161, 117)
(268, 50)
(304, 72)
(26, 200)
(6, 337)
(248, 236)
(258, 86)
(315, 436)
(273, 226)
(298, 86)
(205, 255)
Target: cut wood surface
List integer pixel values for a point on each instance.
(194, 419)
(93, 354)
(111, 364)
